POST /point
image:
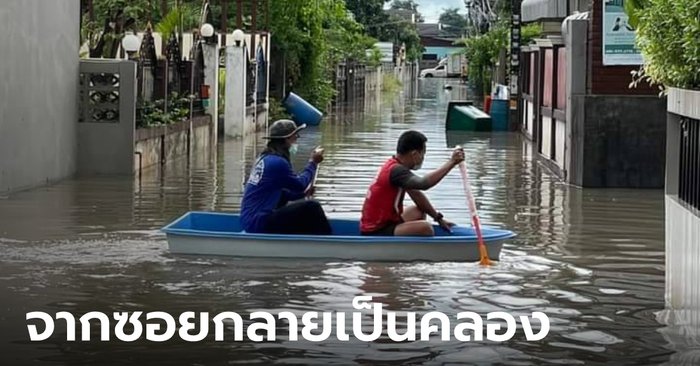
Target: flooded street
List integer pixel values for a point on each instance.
(592, 260)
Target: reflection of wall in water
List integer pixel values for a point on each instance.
(545, 201)
(398, 110)
(181, 185)
(39, 213)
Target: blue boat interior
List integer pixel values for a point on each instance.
(224, 224)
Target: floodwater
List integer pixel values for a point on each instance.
(592, 260)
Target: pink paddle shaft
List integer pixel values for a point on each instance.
(472, 211)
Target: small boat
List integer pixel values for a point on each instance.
(215, 233)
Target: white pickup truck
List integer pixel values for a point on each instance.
(448, 67)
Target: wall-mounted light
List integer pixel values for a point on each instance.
(238, 37)
(206, 30)
(131, 44)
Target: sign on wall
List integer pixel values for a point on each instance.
(618, 36)
(515, 46)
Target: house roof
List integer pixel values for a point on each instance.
(434, 30)
(429, 29)
(437, 42)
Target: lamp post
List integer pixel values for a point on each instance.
(131, 44)
(207, 33)
(235, 108)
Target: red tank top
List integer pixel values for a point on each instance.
(384, 202)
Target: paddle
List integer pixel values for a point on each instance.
(483, 253)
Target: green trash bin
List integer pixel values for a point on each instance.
(466, 117)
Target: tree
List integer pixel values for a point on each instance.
(484, 14)
(369, 13)
(405, 5)
(113, 18)
(482, 51)
(454, 22)
(408, 5)
(314, 36)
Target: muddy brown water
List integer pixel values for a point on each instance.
(592, 260)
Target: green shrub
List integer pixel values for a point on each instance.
(152, 114)
(669, 38)
(277, 110)
(482, 52)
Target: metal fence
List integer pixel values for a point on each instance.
(689, 162)
(349, 82)
(169, 83)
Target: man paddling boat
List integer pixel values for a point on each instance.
(382, 211)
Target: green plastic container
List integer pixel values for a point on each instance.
(499, 114)
(463, 116)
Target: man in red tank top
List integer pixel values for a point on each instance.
(382, 211)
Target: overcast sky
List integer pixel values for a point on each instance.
(431, 9)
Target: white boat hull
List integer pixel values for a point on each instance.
(213, 233)
(394, 251)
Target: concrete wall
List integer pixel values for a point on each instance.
(623, 141)
(682, 225)
(106, 146)
(159, 145)
(38, 91)
(256, 119)
(682, 263)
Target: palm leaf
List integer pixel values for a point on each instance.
(169, 23)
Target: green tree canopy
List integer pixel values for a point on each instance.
(408, 5)
(454, 22)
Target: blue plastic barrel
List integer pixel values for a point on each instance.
(301, 111)
(499, 115)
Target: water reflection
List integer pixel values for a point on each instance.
(591, 259)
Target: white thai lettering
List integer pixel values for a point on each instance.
(268, 326)
(491, 328)
(122, 319)
(237, 326)
(527, 328)
(34, 335)
(187, 324)
(104, 325)
(151, 329)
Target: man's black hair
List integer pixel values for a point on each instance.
(411, 140)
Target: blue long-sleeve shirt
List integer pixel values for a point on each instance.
(272, 180)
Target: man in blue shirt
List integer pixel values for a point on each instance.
(273, 183)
